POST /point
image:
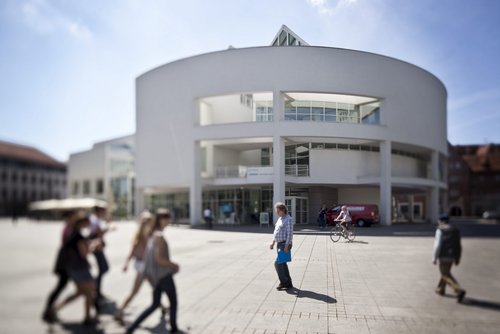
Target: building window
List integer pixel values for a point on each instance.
(75, 188)
(331, 108)
(86, 187)
(99, 186)
(297, 159)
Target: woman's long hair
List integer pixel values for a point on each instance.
(144, 230)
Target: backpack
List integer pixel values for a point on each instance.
(450, 243)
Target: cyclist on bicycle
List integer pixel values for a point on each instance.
(344, 217)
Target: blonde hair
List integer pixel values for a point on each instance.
(145, 222)
(282, 207)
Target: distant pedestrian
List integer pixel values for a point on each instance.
(322, 216)
(283, 238)
(208, 216)
(48, 314)
(77, 267)
(137, 253)
(448, 250)
(98, 229)
(159, 270)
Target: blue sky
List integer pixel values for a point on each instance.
(67, 68)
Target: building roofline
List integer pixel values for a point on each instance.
(290, 47)
(27, 153)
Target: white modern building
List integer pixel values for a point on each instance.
(105, 172)
(240, 129)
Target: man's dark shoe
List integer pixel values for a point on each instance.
(281, 287)
(439, 291)
(460, 296)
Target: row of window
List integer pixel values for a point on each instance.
(33, 178)
(258, 107)
(26, 195)
(83, 187)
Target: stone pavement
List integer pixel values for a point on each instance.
(382, 282)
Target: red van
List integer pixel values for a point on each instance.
(361, 214)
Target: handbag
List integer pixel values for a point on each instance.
(284, 257)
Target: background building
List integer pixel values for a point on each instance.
(240, 129)
(105, 172)
(474, 179)
(27, 175)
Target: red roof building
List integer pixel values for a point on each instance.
(27, 174)
(473, 179)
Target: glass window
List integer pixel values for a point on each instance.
(290, 111)
(291, 40)
(282, 38)
(86, 187)
(320, 107)
(99, 186)
(76, 188)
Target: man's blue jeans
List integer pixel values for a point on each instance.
(282, 268)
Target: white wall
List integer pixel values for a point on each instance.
(359, 195)
(342, 166)
(88, 165)
(250, 158)
(225, 157)
(403, 166)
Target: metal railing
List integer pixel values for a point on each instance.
(297, 170)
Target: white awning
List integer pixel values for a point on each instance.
(67, 204)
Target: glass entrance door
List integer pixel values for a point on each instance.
(298, 208)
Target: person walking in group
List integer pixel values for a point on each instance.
(322, 217)
(97, 231)
(48, 314)
(137, 253)
(77, 267)
(283, 238)
(159, 270)
(448, 250)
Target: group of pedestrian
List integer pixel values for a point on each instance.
(83, 235)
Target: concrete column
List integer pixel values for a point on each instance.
(278, 171)
(195, 188)
(278, 151)
(433, 193)
(385, 183)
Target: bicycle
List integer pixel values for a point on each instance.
(337, 231)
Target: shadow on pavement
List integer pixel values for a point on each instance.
(482, 304)
(311, 295)
(78, 328)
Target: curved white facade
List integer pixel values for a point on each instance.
(179, 150)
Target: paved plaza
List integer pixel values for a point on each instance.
(383, 282)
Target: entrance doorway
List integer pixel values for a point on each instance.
(298, 208)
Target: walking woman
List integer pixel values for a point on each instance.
(159, 271)
(137, 253)
(78, 269)
(60, 267)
